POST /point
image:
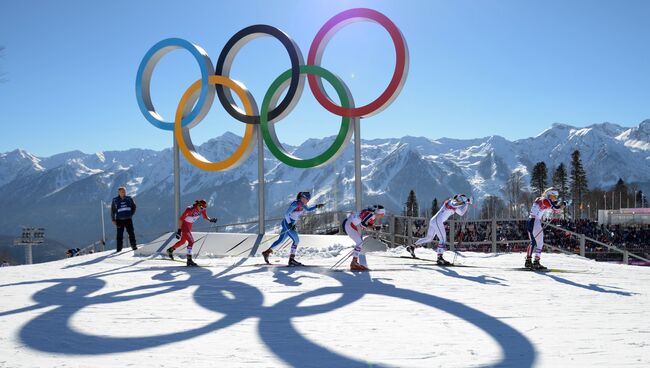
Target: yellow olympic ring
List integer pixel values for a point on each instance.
(182, 134)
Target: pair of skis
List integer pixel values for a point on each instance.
(545, 270)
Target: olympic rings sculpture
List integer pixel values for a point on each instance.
(198, 98)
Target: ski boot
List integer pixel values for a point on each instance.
(266, 255)
(190, 262)
(356, 266)
(529, 263)
(170, 253)
(293, 262)
(442, 262)
(538, 266)
(411, 249)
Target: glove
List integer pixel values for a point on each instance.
(470, 200)
(212, 219)
(178, 234)
(320, 205)
(565, 203)
(292, 226)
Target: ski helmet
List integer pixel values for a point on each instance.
(302, 195)
(551, 194)
(201, 203)
(378, 209)
(460, 198)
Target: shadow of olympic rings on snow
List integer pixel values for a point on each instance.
(236, 301)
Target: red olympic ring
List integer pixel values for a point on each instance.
(399, 74)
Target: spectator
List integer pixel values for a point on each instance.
(4, 263)
(72, 252)
(122, 211)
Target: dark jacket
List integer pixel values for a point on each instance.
(122, 208)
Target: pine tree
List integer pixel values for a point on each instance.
(579, 184)
(639, 199)
(620, 192)
(560, 180)
(411, 208)
(538, 178)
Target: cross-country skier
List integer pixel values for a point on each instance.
(288, 225)
(353, 225)
(459, 205)
(547, 202)
(184, 232)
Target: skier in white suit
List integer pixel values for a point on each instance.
(459, 205)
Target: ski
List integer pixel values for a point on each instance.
(546, 270)
(285, 265)
(369, 270)
(433, 261)
(325, 268)
(176, 260)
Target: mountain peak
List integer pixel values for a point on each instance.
(561, 126)
(608, 128)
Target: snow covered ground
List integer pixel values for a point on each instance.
(121, 311)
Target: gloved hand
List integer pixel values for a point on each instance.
(320, 205)
(178, 234)
(292, 226)
(470, 200)
(564, 203)
(212, 219)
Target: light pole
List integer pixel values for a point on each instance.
(30, 236)
(101, 208)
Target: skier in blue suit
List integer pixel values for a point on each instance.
(291, 216)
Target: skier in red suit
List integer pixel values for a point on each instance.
(184, 232)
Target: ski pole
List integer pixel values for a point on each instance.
(340, 262)
(265, 241)
(205, 237)
(284, 245)
(185, 245)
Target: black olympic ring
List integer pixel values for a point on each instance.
(228, 54)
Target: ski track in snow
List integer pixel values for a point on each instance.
(104, 310)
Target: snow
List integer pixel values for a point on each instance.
(104, 310)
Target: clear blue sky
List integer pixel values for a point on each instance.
(477, 68)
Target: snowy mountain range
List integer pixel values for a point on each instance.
(63, 192)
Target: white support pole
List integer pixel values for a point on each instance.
(101, 206)
(357, 164)
(177, 184)
(260, 181)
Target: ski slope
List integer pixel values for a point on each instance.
(107, 310)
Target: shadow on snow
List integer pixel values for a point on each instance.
(238, 301)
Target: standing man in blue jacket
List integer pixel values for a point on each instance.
(122, 210)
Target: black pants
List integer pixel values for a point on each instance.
(121, 224)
